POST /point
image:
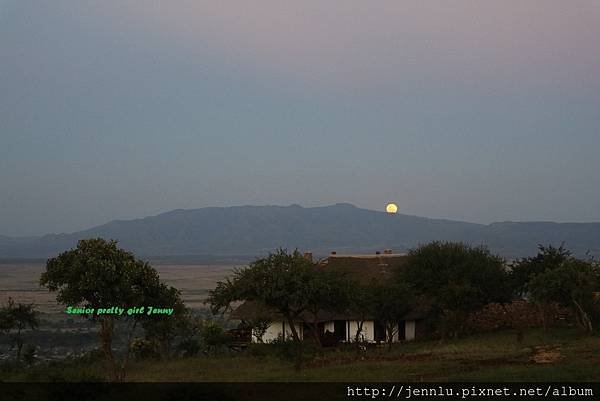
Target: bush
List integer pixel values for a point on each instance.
(518, 314)
(213, 337)
(297, 352)
(29, 354)
(456, 279)
(259, 350)
(10, 366)
(189, 347)
(143, 349)
(95, 355)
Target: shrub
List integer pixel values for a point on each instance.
(259, 350)
(143, 349)
(29, 354)
(297, 352)
(518, 314)
(213, 337)
(189, 347)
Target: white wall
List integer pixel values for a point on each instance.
(275, 330)
(329, 326)
(368, 330)
(272, 332)
(369, 333)
(288, 331)
(396, 336)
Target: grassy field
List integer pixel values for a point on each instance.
(21, 282)
(555, 355)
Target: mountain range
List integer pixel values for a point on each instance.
(246, 232)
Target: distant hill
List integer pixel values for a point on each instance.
(249, 231)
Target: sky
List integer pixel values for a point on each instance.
(466, 110)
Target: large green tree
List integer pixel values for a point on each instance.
(286, 283)
(554, 276)
(523, 271)
(456, 279)
(98, 274)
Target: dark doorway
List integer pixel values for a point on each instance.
(379, 331)
(402, 330)
(339, 330)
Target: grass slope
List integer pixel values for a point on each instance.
(486, 357)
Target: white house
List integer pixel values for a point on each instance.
(343, 328)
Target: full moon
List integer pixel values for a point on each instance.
(391, 208)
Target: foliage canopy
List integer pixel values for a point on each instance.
(98, 274)
(456, 279)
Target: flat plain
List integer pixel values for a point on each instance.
(21, 282)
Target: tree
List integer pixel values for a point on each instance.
(391, 302)
(326, 292)
(362, 305)
(18, 317)
(189, 332)
(523, 271)
(164, 329)
(279, 282)
(29, 354)
(457, 279)
(258, 324)
(97, 274)
(554, 276)
(213, 337)
(7, 321)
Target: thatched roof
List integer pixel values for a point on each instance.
(250, 310)
(365, 269)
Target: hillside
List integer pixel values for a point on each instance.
(554, 355)
(254, 230)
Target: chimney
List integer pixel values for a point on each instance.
(308, 256)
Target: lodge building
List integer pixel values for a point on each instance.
(342, 327)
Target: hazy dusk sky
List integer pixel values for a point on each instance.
(470, 110)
